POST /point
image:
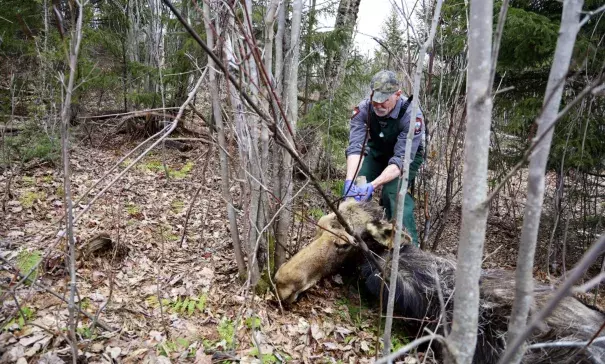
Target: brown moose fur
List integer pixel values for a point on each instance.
(330, 248)
(417, 290)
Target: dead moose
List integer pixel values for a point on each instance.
(422, 275)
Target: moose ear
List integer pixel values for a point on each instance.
(381, 231)
(326, 222)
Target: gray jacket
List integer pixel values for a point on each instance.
(358, 130)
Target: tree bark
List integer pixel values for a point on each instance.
(463, 337)
(345, 21)
(74, 50)
(214, 91)
(280, 254)
(310, 25)
(537, 166)
(404, 183)
(257, 216)
(292, 116)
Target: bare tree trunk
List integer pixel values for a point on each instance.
(310, 25)
(463, 337)
(280, 254)
(257, 216)
(292, 116)
(131, 49)
(537, 166)
(345, 21)
(218, 119)
(404, 183)
(75, 41)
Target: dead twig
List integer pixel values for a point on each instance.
(53, 293)
(203, 178)
(588, 89)
(563, 291)
(280, 138)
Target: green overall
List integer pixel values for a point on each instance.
(381, 147)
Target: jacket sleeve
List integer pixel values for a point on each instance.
(357, 131)
(418, 125)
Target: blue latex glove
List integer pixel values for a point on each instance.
(365, 192)
(349, 192)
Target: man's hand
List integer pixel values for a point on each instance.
(364, 192)
(350, 190)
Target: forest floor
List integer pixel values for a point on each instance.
(203, 311)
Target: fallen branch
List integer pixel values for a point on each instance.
(168, 130)
(563, 343)
(53, 293)
(389, 358)
(563, 291)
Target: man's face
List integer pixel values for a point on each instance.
(383, 109)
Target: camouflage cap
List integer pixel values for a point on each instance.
(384, 84)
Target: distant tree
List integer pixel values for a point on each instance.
(391, 36)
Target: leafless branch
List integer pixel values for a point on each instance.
(590, 284)
(563, 291)
(497, 38)
(587, 90)
(590, 14)
(56, 295)
(563, 344)
(389, 358)
(279, 136)
(403, 181)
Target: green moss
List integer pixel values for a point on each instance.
(316, 213)
(181, 173)
(132, 209)
(26, 261)
(153, 165)
(28, 181)
(177, 206)
(28, 198)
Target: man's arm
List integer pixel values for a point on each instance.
(390, 173)
(353, 161)
(357, 135)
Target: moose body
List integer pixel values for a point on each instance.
(422, 276)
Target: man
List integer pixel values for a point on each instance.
(388, 118)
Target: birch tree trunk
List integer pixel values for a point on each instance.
(310, 25)
(463, 337)
(257, 217)
(74, 50)
(345, 21)
(216, 110)
(279, 253)
(279, 46)
(404, 182)
(280, 236)
(292, 116)
(570, 25)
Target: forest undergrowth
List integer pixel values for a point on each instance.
(171, 299)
